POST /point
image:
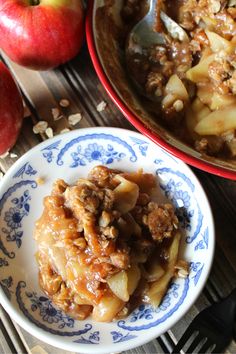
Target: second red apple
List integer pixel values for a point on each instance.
(11, 110)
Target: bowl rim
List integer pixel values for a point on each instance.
(54, 340)
(133, 119)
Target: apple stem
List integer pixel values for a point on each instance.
(34, 2)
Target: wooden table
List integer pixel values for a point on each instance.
(77, 82)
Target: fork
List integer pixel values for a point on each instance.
(213, 328)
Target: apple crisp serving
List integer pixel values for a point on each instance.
(105, 244)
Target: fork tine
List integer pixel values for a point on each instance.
(194, 343)
(207, 344)
(218, 349)
(185, 337)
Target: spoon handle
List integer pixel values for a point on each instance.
(155, 13)
(154, 4)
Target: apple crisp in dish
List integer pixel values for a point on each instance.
(105, 244)
(192, 76)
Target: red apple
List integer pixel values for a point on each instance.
(41, 34)
(11, 110)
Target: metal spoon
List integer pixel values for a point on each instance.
(144, 35)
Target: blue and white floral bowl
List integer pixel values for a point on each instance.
(69, 156)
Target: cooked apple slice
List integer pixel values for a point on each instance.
(220, 101)
(204, 93)
(176, 88)
(199, 72)
(107, 308)
(217, 43)
(126, 195)
(134, 275)
(118, 284)
(218, 122)
(200, 110)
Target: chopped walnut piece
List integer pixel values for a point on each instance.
(143, 199)
(201, 145)
(80, 242)
(120, 260)
(195, 46)
(161, 221)
(219, 71)
(61, 298)
(59, 187)
(108, 199)
(187, 20)
(105, 219)
(89, 198)
(158, 54)
(154, 82)
(232, 83)
(214, 144)
(103, 176)
(110, 232)
(231, 145)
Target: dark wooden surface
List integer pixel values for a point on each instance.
(78, 82)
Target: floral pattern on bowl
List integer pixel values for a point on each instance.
(73, 155)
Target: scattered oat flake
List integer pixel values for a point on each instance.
(1, 175)
(64, 102)
(101, 106)
(13, 155)
(64, 131)
(40, 180)
(73, 119)
(40, 127)
(4, 155)
(56, 113)
(49, 132)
